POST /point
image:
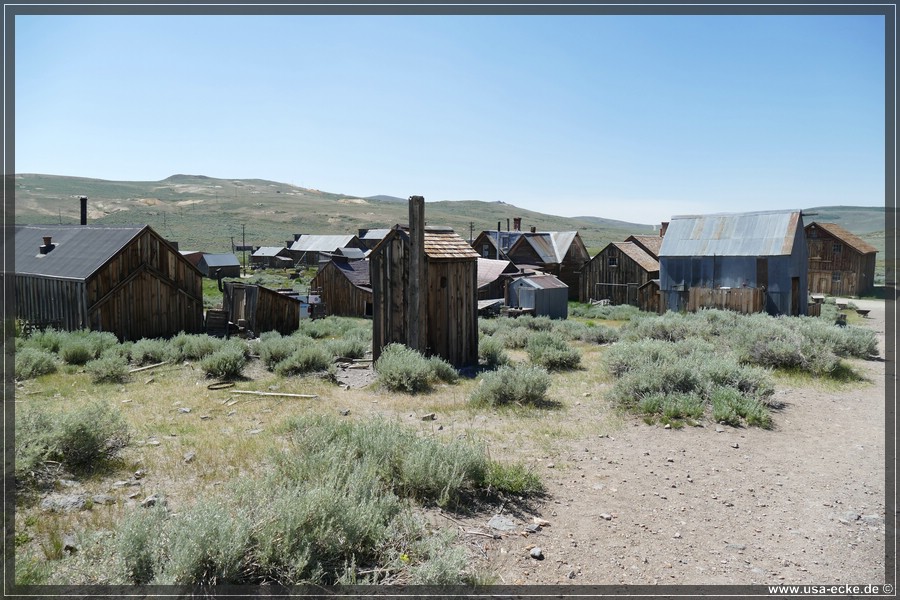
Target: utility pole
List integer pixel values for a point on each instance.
(244, 244)
(471, 232)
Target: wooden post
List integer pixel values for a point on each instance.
(416, 315)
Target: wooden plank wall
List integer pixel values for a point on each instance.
(46, 301)
(341, 297)
(857, 270)
(742, 300)
(389, 275)
(626, 274)
(276, 312)
(452, 310)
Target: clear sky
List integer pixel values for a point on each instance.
(636, 118)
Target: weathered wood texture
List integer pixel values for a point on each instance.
(145, 290)
(262, 309)
(743, 300)
(648, 297)
(615, 276)
(836, 267)
(341, 296)
(389, 277)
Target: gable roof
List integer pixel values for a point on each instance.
(768, 233)
(373, 234)
(550, 246)
(650, 243)
(269, 251)
(79, 250)
(638, 255)
(321, 243)
(356, 271)
(221, 260)
(845, 236)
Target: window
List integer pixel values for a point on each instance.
(486, 251)
(613, 261)
(837, 247)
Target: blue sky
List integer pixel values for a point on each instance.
(634, 118)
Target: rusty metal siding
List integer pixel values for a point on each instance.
(745, 234)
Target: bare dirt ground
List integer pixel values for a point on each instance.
(803, 503)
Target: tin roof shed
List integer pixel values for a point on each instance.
(767, 233)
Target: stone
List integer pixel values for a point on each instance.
(345, 412)
(153, 500)
(719, 429)
(70, 544)
(429, 417)
(872, 520)
(501, 523)
(735, 445)
(532, 528)
(571, 575)
(64, 502)
(139, 473)
(606, 516)
(667, 426)
(153, 442)
(189, 456)
(103, 499)
(184, 410)
(736, 547)
(851, 517)
(537, 553)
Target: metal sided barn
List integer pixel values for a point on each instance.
(125, 280)
(721, 258)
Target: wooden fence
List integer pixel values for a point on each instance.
(742, 300)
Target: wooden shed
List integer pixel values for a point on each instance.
(648, 297)
(215, 266)
(272, 257)
(306, 249)
(345, 288)
(840, 263)
(543, 295)
(126, 280)
(723, 252)
(260, 309)
(616, 273)
(448, 322)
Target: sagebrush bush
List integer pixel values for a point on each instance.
(551, 351)
(400, 368)
(225, 363)
(348, 347)
(442, 370)
(620, 312)
(492, 353)
(520, 384)
(194, 346)
(139, 542)
(33, 362)
(309, 358)
(75, 350)
(599, 334)
(151, 351)
(109, 368)
(48, 339)
(274, 348)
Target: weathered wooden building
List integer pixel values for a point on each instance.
(371, 237)
(840, 263)
(260, 309)
(543, 295)
(306, 248)
(345, 288)
(448, 323)
(216, 266)
(616, 273)
(559, 253)
(126, 280)
(272, 257)
(648, 297)
(765, 250)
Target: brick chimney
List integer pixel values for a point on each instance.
(517, 223)
(662, 228)
(83, 200)
(48, 245)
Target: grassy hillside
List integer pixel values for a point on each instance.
(204, 213)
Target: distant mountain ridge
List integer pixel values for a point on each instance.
(209, 213)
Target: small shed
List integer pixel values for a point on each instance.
(840, 263)
(219, 265)
(719, 253)
(616, 273)
(344, 287)
(260, 309)
(545, 295)
(448, 306)
(272, 257)
(126, 280)
(648, 297)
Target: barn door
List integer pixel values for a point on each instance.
(795, 296)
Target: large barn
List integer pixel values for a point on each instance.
(125, 280)
(726, 253)
(840, 263)
(449, 308)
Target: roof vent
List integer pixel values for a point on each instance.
(48, 245)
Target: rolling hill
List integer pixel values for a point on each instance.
(205, 213)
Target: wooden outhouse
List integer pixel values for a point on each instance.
(126, 280)
(840, 263)
(715, 254)
(448, 307)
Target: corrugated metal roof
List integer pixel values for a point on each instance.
(638, 255)
(845, 236)
(352, 252)
(321, 243)
(444, 243)
(550, 246)
(374, 234)
(489, 270)
(221, 260)
(79, 250)
(269, 251)
(769, 233)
